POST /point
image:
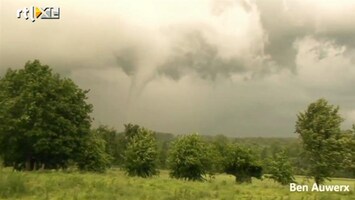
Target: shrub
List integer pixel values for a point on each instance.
(141, 154)
(241, 163)
(281, 169)
(92, 156)
(189, 158)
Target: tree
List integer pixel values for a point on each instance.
(189, 158)
(110, 136)
(43, 118)
(131, 130)
(281, 169)
(323, 141)
(121, 144)
(141, 154)
(219, 145)
(241, 163)
(349, 152)
(93, 154)
(163, 155)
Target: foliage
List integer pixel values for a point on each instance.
(130, 131)
(121, 141)
(42, 117)
(281, 169)
(219, 148)
(349, 150)
(163, 154)
(141, 154)
(92, 155)
(111, 138)
(189, 158)
(241, 163)
(323, 141)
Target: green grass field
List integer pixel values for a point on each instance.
(116, 185)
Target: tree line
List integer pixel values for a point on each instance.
(45, 123)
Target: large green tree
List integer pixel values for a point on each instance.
(323, 142)
(189, 158)
(43, 118)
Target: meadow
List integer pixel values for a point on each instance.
(115, 184)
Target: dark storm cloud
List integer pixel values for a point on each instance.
(193, 54)
(282, 32)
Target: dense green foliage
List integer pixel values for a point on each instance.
(323, 141)
(241, 163)
(109, 136)
(281, 169)
(189, 158)
(92, 155)
(42, 118)
(351, 151)
(141, 153)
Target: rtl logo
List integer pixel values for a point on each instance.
(34, 13)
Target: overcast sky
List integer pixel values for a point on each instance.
(233, 67)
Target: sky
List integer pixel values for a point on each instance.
(242, 68)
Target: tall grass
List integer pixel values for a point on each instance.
(116, 185)
(12, 184)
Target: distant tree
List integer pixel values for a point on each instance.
(241, 163)
(163, 155)
(220, 142)
(141, 154)
(131, 130)
(219, 149)
(323, 141)
(189, 158)
(120, 149)
(93, 154)
(349, 152)
(281, 169)
(43, 118)
(275, 148)
(122, 140)
(109, 135)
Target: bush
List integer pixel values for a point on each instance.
(241, 163)
(92, 156)
(189, 158)
(281, 169)
(141, 154)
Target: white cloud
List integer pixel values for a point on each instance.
(323, 63)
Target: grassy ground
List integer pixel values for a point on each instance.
(116, 185)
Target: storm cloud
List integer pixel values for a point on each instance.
(236, 67)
